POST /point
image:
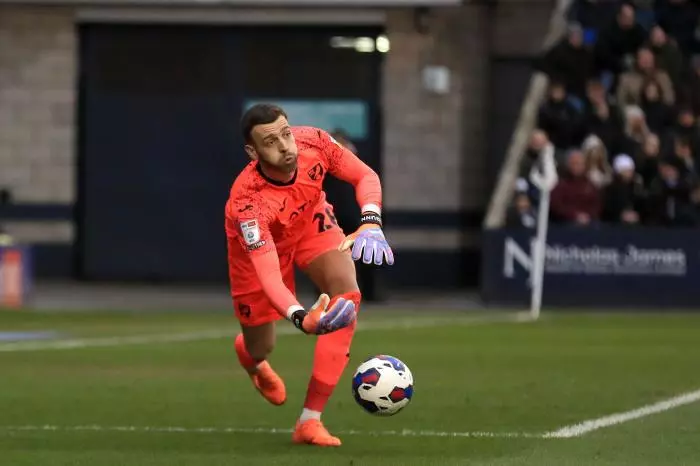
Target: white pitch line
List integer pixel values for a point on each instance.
(399, 323)
(263, 430)
(585, 427)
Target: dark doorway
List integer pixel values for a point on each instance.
(158, 134)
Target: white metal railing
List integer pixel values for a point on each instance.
(500, 199)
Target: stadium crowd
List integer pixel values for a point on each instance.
(622, 114)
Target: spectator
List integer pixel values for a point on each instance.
(648, 161)
(684, 156)
(694, 208)
(629, 90)
(619, 41)
(658, 114)
(669, 196)
(685, 127)
(636, 131)
(521, 214)
(597, 165)
(602, 117)
(570, 62)
(559, 118)
(624, 198)
(679, 18)
(690, 88)
(538, 141)
(666, 54)
(575, 199)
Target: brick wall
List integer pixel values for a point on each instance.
(435, 146)
(37, 103)
(424, 140)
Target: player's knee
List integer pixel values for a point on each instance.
(260, 349)
(342, 284)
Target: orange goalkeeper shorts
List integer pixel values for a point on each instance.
(252, 307)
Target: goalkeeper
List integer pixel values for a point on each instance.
(277, 217)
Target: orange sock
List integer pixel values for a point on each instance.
(331, 355)
(244, 357)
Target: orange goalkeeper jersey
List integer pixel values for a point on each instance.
(264, 217)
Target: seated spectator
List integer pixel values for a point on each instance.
(666, 54)
(629, 90)
(570, 62)
(575, 200)
(521, 214)
(619, 41)
(597, 165)
(669, 196)
(624, 198)
(684, 156)
(601, 116)
(659, 115)
(684, 127)
(693, 212)
(636, 131)
(679, 18)
(538, 141)
(648, 161)
(690, 88)
(559, 118)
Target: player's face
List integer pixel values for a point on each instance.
(274, 145)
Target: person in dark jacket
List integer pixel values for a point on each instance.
(560, 119)
(666, 53)
(575, 200)
(570, 62)
(685, 127)
(659, 115)
(679, 18)
(648, 159)
(619, 41)
(602, 116)
(669, 196)
(690, 87)
(624, 197)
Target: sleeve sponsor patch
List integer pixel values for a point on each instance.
(251, 233)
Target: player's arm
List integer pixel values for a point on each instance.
(256, 239)
(368, 242)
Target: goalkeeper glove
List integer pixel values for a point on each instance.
(368, 242)
(325, 317)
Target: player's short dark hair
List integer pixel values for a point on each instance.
(259, 114)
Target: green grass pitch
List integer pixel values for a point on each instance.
(121, 399)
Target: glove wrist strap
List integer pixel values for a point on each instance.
(371, 218)
(297, 319)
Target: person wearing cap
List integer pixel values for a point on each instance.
(624, 198)
(575, 200)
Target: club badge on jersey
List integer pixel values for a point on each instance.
(251, 235)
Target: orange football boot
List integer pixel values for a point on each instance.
(312, 432)
(269, 384)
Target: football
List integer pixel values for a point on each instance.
(383, 385)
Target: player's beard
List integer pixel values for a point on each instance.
(288, 164)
